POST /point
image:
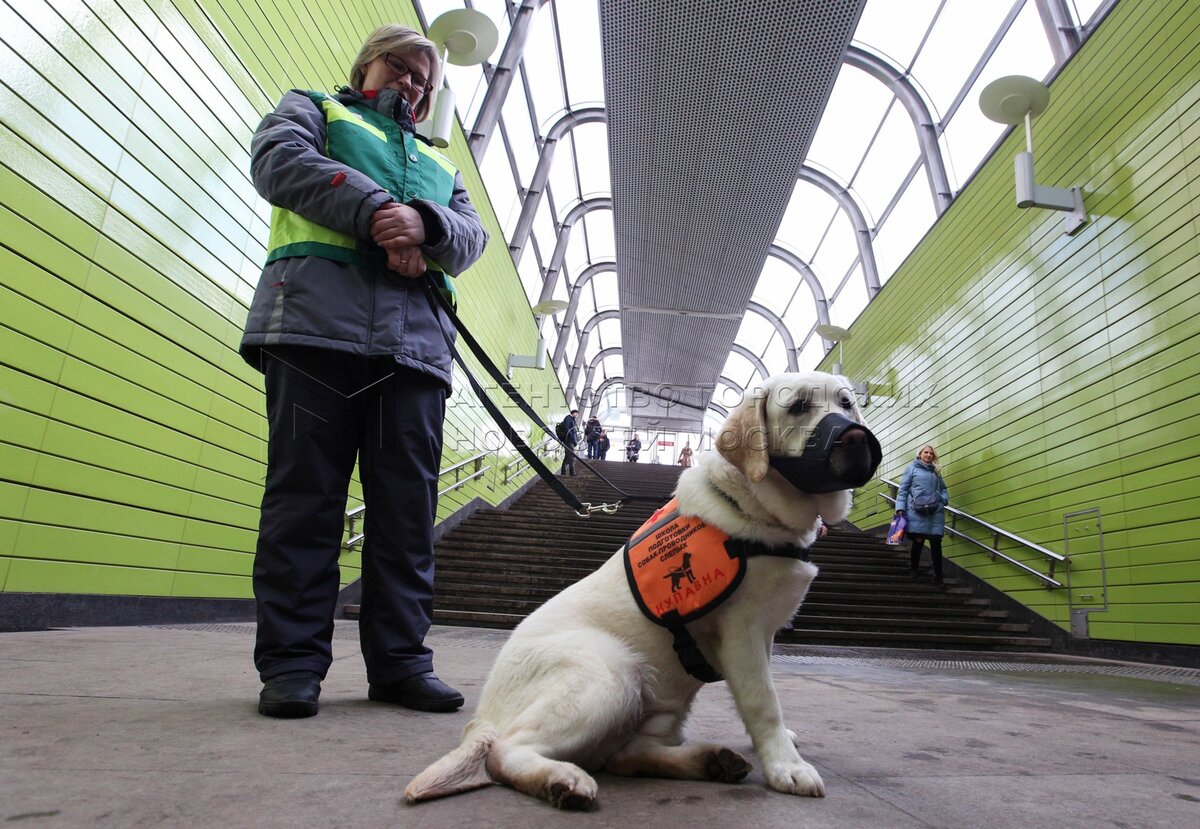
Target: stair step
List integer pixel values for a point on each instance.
(805, 635)
(814, 608)
(894, 623)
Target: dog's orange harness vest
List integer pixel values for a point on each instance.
(680, 568)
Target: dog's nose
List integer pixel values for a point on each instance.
(854, 434)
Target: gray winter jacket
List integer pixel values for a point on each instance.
(362, 308)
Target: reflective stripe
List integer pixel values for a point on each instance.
(445, 163)
(291, 233)
(336, 111)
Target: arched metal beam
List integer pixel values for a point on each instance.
(501, 79)
(810, 279)
(780, 327)
(583, 341)
(564, 236)
(560, 348)
(617, 378)
(603, 353)
(1060, 28)
(754, 359)
(541, 174)
(866, 252)
(905, 90)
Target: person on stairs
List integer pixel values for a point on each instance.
(592, 433)
(568, 433)
(922, 499)
(633, 449)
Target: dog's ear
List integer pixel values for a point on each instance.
(743, 438)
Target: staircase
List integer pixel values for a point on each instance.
(864, 596)
(498, 566)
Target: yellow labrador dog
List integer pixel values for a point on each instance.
(590, 682)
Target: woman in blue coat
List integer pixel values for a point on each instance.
(922, 499)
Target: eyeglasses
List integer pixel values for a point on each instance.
(401, 68)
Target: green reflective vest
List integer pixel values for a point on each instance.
(366, 140)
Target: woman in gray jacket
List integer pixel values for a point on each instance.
(922, 499)
(356, 366)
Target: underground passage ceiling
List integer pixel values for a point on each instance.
(727, 176)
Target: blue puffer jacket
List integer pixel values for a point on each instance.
(922, 479)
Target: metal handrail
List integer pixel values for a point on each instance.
(354, 514)
(480, 469)
(518, 464)
(474, 459)
(997, 533)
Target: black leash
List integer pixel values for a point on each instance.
(438, 299)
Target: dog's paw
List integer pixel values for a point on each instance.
(575, 792)
(725, 766)
(798, 778)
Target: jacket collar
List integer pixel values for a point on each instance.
(387, 102)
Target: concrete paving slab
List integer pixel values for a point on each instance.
(157, 726)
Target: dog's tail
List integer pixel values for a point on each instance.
(461, 770)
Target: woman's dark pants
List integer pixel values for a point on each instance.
(935, 553)
(324, 410)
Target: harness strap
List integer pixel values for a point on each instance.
(757, 548)
(685, 646)
(688, 651)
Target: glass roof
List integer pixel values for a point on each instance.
(866, 142)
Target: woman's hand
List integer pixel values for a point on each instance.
(399, 230)
(406, 261)
(397, 225)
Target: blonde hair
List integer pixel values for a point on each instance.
(929, 446)
(396, 38)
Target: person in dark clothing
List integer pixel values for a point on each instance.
(592, 433)
(922, 498)
(603, 445)
(633, 449)
(356, 368)
(569, 429)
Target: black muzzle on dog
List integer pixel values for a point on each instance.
(841, 454)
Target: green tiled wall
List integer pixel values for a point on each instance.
(1059, 374)
(131, 432)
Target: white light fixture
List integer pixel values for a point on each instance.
(538, 360)
(1011, 100)
(837, 334)
(464, 37)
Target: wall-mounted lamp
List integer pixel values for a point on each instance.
(837, 334)
(465, 37)
(538, 360)
(1011, 100)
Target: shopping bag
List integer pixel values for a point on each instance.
(896, 531)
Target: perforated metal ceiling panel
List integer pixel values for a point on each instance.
(712, 106)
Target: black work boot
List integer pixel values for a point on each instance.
(291, 695)
(423, 692)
